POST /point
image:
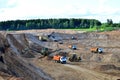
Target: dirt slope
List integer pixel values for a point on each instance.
(15, 62)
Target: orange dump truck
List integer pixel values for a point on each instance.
(96, 50)
(60, 59)
(70, 46)
(74, 47)
(56, 58)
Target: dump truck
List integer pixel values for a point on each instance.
(74, 58)
(60, 59)
(63, 59)
(56, 58)
(96, 50)
(74, 47)
(74, 38)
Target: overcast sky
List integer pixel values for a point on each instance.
(42, 9)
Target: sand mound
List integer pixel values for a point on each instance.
(111, 58)
(96, 58)
(106, 67)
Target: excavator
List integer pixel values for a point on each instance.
(43, 38)
(74, 58)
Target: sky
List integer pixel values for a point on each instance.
(46, 9)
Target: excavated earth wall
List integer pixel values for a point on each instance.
(14, 64)
(16, 48)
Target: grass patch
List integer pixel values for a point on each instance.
(100, 29)
(82, 29)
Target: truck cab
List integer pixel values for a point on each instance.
(63, 59)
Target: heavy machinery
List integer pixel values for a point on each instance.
(60, 42)
(63, 59)
(45, 51)
(56, 58)
(74, 58)
(74, 38)
(60, 59)
(96, 50)
(43, 38)
(73, 47)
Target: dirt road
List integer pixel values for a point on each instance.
(1, 78)
(92, 75)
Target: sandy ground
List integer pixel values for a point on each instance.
(90, 74)
(72, 71)
(84, 70)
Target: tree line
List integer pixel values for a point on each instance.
(49, 23)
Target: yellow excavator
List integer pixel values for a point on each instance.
(74, 58)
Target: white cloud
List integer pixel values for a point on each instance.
(96, 9)
(102, 1)
(11, 2)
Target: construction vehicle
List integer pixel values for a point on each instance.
(74, 58)
(43, 38)
(45, 51)
(63, 59)
(73, 38)
(96, 50)
(60, 42)
(60, 59)
(56, 58)
(73, 47)
(54, 38)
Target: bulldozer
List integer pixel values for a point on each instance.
(74, 58)
(96, 50)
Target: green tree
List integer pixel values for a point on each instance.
(49, 23)
(109, 21)
(71, 23)
(65, 24)
(28, 24)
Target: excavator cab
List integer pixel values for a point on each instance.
(45, 51)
